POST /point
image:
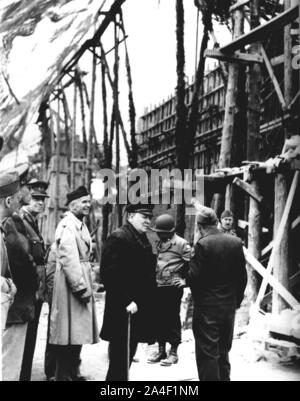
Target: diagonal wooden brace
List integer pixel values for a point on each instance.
(249, 189)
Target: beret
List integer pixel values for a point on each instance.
(226, 213)
(78, 193)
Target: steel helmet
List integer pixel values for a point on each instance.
(164, 224)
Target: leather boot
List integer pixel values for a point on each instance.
(158, 356)
(172, 358)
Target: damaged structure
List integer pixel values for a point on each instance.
(237, 126)
(246, 148)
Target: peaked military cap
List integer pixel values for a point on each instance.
(9, 184)
(38, 185)
(140, 208)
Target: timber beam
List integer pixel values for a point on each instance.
(274, 79)
(262, 31)
(239, 4)
(249, 189)
(235, 57)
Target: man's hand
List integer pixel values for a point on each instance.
(132, 308)
(82, 297)
(179, 282)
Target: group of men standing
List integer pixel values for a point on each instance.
(66, 281)
(143, 293)
(143, 289)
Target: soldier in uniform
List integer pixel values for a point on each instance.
(23, 271)
(227, 223)
(128, 273)
(73, 319)
(218, 279)
(174, 255)
(30, 214)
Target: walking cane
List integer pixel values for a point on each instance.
(128, 344)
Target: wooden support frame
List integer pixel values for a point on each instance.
(262, 31)
(278, 239)
(270, 279)
(274, 79)
(239, 4)
(293, 281)
(237, 57)
(249, 189)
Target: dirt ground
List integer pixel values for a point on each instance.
(244, 364)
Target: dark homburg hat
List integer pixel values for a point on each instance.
(9, 184)
(140, 208)
(78, 193)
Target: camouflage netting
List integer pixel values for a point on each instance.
(37, 38)
(217, 8)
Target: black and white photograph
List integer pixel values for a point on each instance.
(149, 193)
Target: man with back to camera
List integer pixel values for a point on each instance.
(173, 259)
(30, 214)
(73, 319)
(218, 279)
(128, 274)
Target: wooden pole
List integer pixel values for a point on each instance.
(253, 133)
(230, 108)
(181, 111)
(116, 103)
(91, 127)
(231, 98)
(107, 162)
(57, 175)
(281, 258)
(73, 139)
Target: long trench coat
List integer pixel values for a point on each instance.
(72, 322)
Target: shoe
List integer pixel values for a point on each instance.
(50, 379)
(171, 360)
(80, 378)
(158, 356)
(135, 359)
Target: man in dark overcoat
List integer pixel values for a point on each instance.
(128, 273)
(30, 214)
(218, 279)
(23, 271)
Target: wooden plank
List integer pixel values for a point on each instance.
(237, 57)
(262, 31)
(268, 278)
(296, 223)
(278, 238)
(294, 280)
(274, 79)
(239, 4)
(267, 249)
(277, 60)
(249, 189)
